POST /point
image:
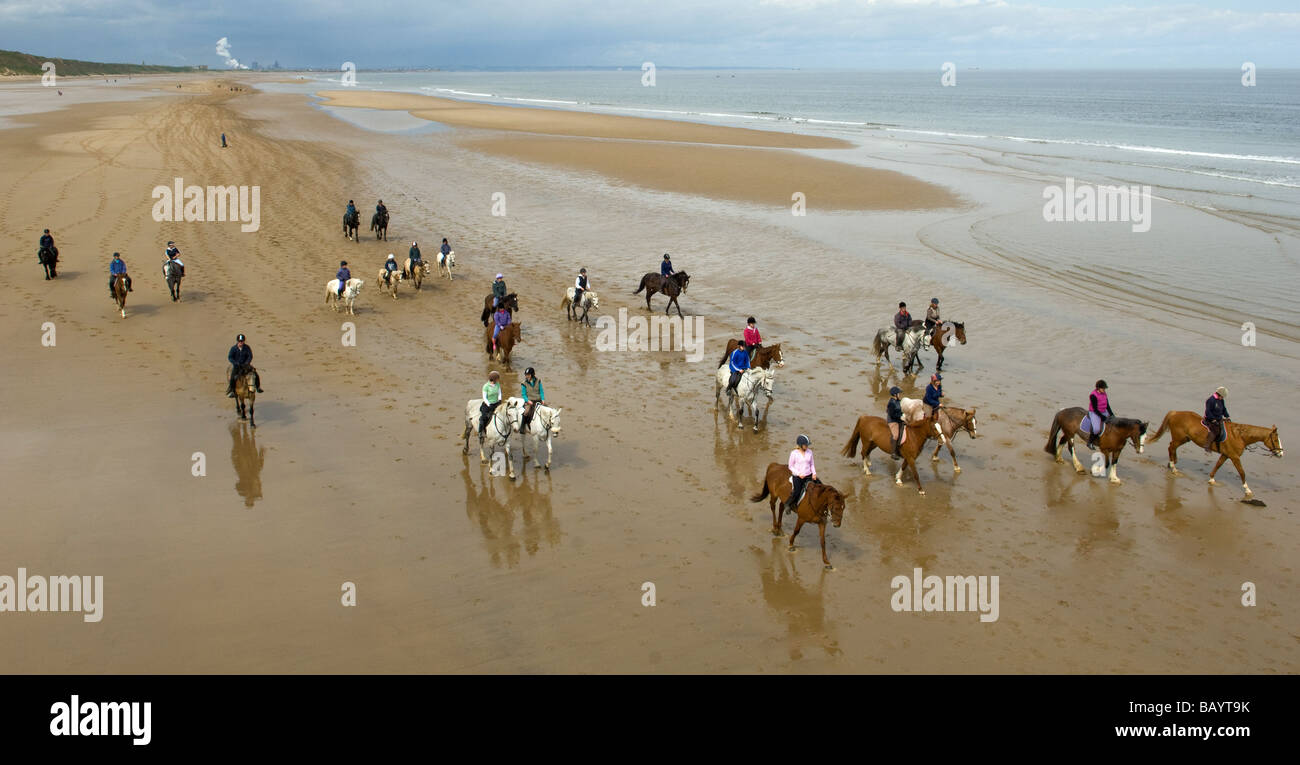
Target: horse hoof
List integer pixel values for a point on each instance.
(546, 468)
(828, 567)
(1212, 482)
(790, 548)
(956, 469)
(1060, 461)
(777, 532)
(921, 492)
(1081, 471)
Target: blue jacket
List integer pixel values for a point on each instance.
(390, 265)
(666, 268)
(739, 360)
(445, 249)
(1216, 409)
(240, 356)
(352, 210)
(932, 394)
(343, 275)
(117, 267)
(894, 410)
(47, 241)
(502, 318)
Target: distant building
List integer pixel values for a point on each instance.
(255, 67)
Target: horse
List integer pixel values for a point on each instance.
(446, 263)
(510, 301)
(873, 432)
(387, 281)
(119, 293)
(885, 339)
(379, 224)
(953, 332)
(49, 258)
(951, 421)
(763, 356)
(1187, 426)
(172, 274)
(352, 226)
(589, 301)
(245, 393)
(350, 292)
(672, 286)
(542, 428)
(415, 272)
(1118, 431)
(751, 381)
(818, 501)
(510, 334)
(505, 420)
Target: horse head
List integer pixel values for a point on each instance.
(969, 425)
(682, 279)
(766, 384)
(959, 328)
(1138, 435)
(1274, 442)
(776, 356)
(553, 424)
(834, 502)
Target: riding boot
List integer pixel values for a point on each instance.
(128, 285)
(896, 449)
(257, 383)
(230, 388)
(1092, 440)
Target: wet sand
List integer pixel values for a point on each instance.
(355, 472)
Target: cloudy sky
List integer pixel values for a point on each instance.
(872, 34)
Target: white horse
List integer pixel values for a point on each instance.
(446, 263)
(912, 343)
(751, 382)
(350, 291)
(544, 426)
(505, 420)
(589, 301)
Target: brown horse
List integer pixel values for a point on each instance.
(763, 357)
(818, 501)
(953, 420)
(510, 335)
(352, 226)
(379, 224)
(119, 293)
(1118, 432)
(511, 302)
(1186, 426)
(245, 394)
(49, 258)
(873, 432)
(671, 286)
(945, 335)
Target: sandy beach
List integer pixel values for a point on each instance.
(355, 471)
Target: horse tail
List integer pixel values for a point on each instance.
(725, 355)
(762, 495)
(1161, 430)
(851, 448)
(1050, 448)
(876, 346)
(564, 303)
(643, 280)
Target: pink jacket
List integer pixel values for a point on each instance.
(801, 463)
(752, 337)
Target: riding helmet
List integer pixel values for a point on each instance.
(1222, 391)
(342, 263)
(390, 256)
(239, 338)
(582, 270)
(493, 375)
(117, 254)
(529, 372)
(894, 391)
(802, 440)
(1101, 385)
(936, 377)
(934, 301)
(751, 320)
(902, 305)
(501, 276)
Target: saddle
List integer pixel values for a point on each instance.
(1086, 424)
(1221, 436)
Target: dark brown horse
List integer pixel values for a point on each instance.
(246, 393)
(671, 286)
(49, 258)
(1118, 432)
(818, 501)
(1186, 426)
(379, 224)
(873, 432)
(945, 335)
(510, 334)
(763, 357)
(511, 302)
(352, 226)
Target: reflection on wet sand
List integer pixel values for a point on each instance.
(490, 506)
(247, 459)
(800, 605)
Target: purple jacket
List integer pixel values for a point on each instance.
(502, 318)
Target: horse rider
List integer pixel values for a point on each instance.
(802, 470)
(530, 390)
(118, 266)
(894, 418)
(1216, 411)
(753, 340)
(381, 211)
(934, 392)
(500, 320)
(47, 242)
(351, 212)
(445, 249)
(1099, 411)
(738, 363)
(666, 267)
(414, 255)
(498, 289)
(491, 399)
(390, 266)
(343, 276)
(174, 256)
(932, 319)
(902, 322)
(580, 285)
(240, 356)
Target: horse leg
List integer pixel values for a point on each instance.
(679, 308)
(1078, 467)
(1222, 459)
(468, 429)
(911, 463)
(549, 451)
(776, 522)
(821, 527)
(1112, 464)
(1236, 462)
(1174, 443)
(648, 293)
(510, 463)
(252, 418)
(867, 446)
(798, 525)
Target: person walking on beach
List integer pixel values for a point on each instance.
(580, 285)
(738, 363)
(498, 290)
(223, 140)
(530, 390)
(932, 319)
(240, 356)
(753, 340)
(1099, 411)
(933, 394)
(802, 470)
(666, 267)
(894, 418)
(902, 322)
(491, 398)
(1216, 412)
(116, 268)
(343, 276)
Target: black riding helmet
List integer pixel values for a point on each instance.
(529, 372)
(802, 440)
(239, 338)
(894, 391)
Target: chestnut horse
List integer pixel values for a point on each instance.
(119, 293)
(873, 432)
(415, 272)
(953, 332)
(1186, 426)
(818, 501)
(953, 420)
(510, 334)
(671, 286)
(1119, 431)
(511, 302)
(245, 393)
(762, 357)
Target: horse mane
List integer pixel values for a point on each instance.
(1128, 422)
